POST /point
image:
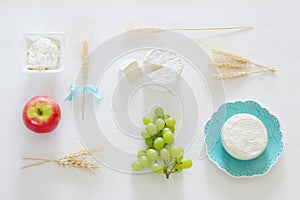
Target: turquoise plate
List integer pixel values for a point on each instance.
(239, 168)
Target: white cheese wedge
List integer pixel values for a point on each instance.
(244, 136)
(131, 70)
(166, 66)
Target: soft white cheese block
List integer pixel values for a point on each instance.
(244, 136)
(43, 53)
(132, 70)
(166, 66)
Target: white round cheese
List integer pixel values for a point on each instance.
(244, 136)
(168, 66)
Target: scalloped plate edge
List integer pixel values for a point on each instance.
(244, 176)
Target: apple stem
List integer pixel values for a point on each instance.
(40, 111)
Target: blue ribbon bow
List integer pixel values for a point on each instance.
(74, 89)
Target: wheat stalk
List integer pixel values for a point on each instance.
(85, 72)
(146, 29)
(230, 75)
(76, 159)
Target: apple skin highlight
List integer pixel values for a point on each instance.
(41, 114)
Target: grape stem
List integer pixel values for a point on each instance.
(171, 171)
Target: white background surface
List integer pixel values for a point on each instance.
(274, 41)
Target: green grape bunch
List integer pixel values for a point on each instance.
(161, 155)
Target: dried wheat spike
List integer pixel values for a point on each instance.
(232, 56)
(76, 163)
(230, 75)
(77, 159)
(229, 65)
(78, 154)
(145, 29)
(85, 66)
(81, 153)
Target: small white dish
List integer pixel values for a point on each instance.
(58, 41)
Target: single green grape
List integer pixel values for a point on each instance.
(165, 154)
(177, 168)
(147, 119)
(186, 163)
(160, 124)
(144, 161)
(165, 130)
(176, 151)
(137, 166)
(151, 129)
(145, 134)
(172, 129)
(166, 116)
(159, 143)
(159, 112)
(168, 137)
(170, 122)
(141, 153)
(152, 154)
(156, 168)
(149, 142)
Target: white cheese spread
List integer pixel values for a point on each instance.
(43, 54)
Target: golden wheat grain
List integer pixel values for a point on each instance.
(85, 71)
(229, 65)
(76, 163)
(144, 29)
(84, 152)
(85, 66)
(232, 56)
(230, 75)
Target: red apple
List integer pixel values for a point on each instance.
(41, 114)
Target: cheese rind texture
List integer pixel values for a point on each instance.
(167, 66)
(244, 136)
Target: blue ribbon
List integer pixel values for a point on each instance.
(74, 89)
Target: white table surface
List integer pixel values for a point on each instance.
(274, 41)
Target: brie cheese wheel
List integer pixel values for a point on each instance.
(166, 65)
(132, 70)
(244, 136)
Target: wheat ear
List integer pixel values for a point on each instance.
(228, 65)
(146, 29)
(82, 153)
(240, 59)
(76, 163)
(232, 56)
(75, 159)
(85, 72)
